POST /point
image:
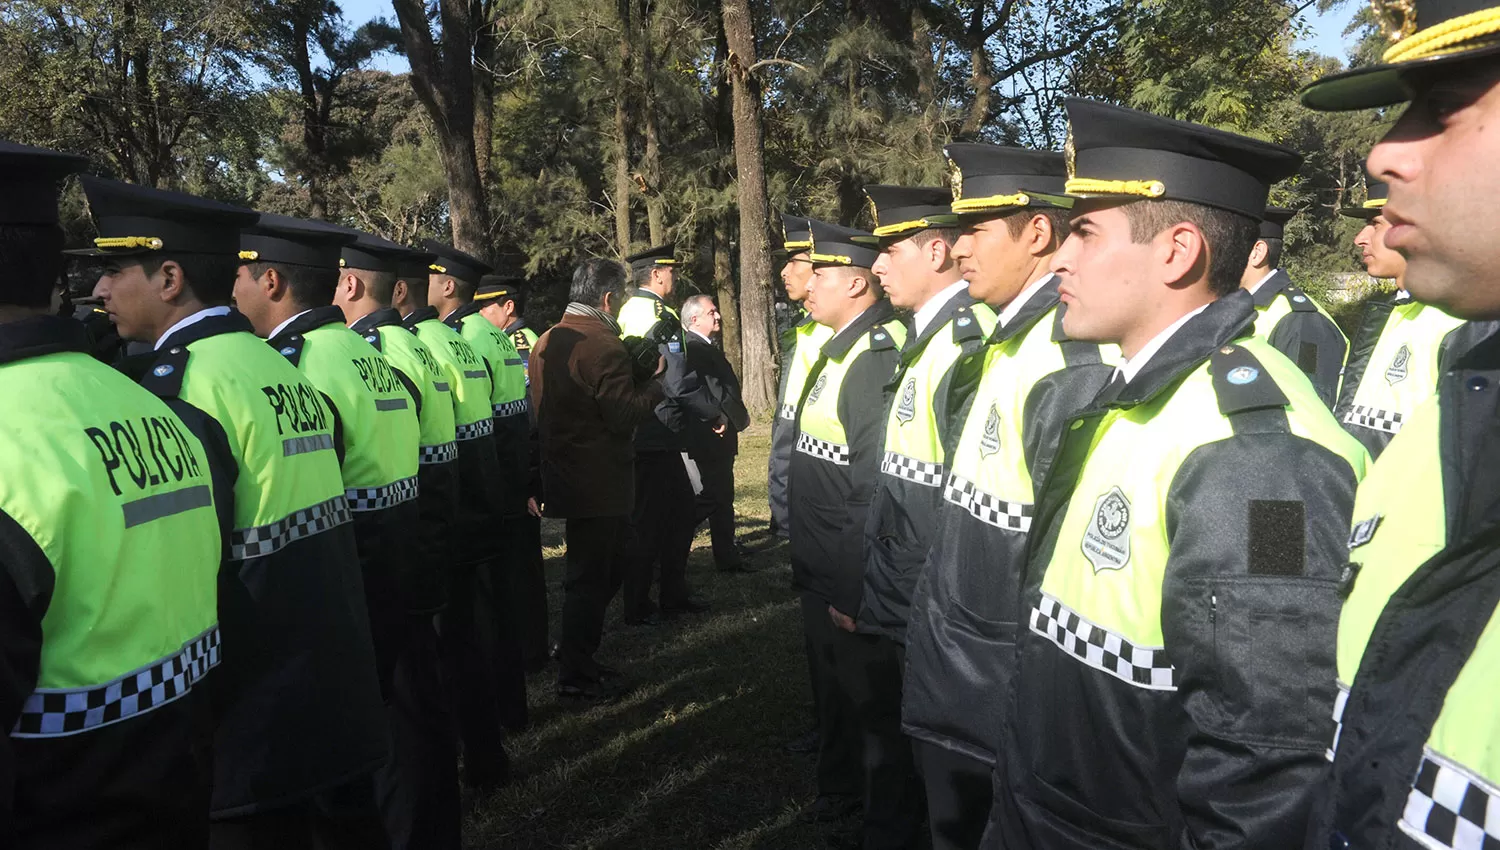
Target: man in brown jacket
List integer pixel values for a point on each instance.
(588, 400)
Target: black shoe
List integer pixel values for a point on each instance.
(807, 743)
(830, 808)
(608, 674)
(686, 606)
(643, 622)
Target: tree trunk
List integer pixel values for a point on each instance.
(757, 326)
(486, 56)
(981, 80)
(729, 299)
(624, 186)
(651, 159)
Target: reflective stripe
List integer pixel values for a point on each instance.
(161, 505)
(823, 449)
(512, 408)
(442, 386)
(446, 453)
(1338, 719)
(987, 508)
(476, 374)
(913, 470)
(1449, 806)
(266, 539)
(482, 428)
(1143, 666)
(390, 404)
(789, 412)
(379, 498)
(1388, 421)
(58, 712)
(306, 445)
(513, 361)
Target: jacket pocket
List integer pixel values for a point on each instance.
(1057, 821)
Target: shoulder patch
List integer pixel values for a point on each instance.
(372, 336)
(518, 339)
(658, 307)
(164, 377)
(881, 339)
(1241, 383)
(966, 326)
(291, 348)
(1301, 302)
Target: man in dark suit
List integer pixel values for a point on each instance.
(711, 448)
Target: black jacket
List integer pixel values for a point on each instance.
(712, 368)
(1306, 336)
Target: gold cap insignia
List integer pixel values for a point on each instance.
(1397, 18)
(1070, 154)
(874, 210)
(956, 181)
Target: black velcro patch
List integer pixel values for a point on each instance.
(1278, 538)
(1307, 358)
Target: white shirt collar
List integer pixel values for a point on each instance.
(1132, 367)
(195, 318)
(924, 316)
(1262, 282)
(1013, 309)
(701, 336)
(279, 328)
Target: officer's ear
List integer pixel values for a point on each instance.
(274, 284)
(173, 281)
(349, 286)
(1182, 253)
(1259, 253)
(399, 294)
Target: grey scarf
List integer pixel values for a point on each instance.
(577, 308)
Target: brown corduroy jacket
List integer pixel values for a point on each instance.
(587, 404)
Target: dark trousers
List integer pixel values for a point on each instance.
(663, 521)
(465, 636)
(536, 640)
(959, 794)
(418, 788)
(716, 504)
(341, 818)
(597, 551)
(503, 590)
(840, 763)
(868, 669)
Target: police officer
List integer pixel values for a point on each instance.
(465, 631)
(840, 426)
(799, 350)
(1412, 341)
(285, 285)
(499, 300)
(1294, 323)
(1189, 531)
(1414, 762)
(451, 286)
(109, 553)
(664, 503)
(299, 722)
(961, 634)
(418, 787)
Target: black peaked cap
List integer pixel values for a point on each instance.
(1376, 194)
(991, 180)
(900, 211)
(283, 239)
(835, 245)
(1131, 155)
(139, 220)
(415, 265)
(451, 261)
(795, 233)
(493, 286)
(30, 177)
(1427, 37)
(661, 255)
(373, 253)
(1273, 223)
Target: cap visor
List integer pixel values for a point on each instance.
(1366, 213)
(1379, 85)
(102, 252)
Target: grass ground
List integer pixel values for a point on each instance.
(693, 757)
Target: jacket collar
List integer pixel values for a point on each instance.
(41, 335)
(418, 316)
(646, 293)
(944, 318)
(456, 319)
(1041, 301)
(836, 348)
(1220, 323)
(517, 325)
(378, 319)
(1274, 286)
(234, 322)
(313, 319)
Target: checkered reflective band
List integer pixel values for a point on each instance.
(1143, 666)
(379, 498)
(55, 713)
(446, 453)
(823, 449)
(911, 469)
(1388, 421)
(789, 412)
(1339, 703)
(482, 428)
(1451, 806)
(512, 408)
(989, 509)
(266, 539)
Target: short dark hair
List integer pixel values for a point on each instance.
(1274, 248)
(416, 288)
(311, 286)
(1017, 221)
(210, 277)
(31, 255)
(641, 275)
(594, 278)
(463, 289)
(1230, 236)
(382, 285)
(923, 238)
